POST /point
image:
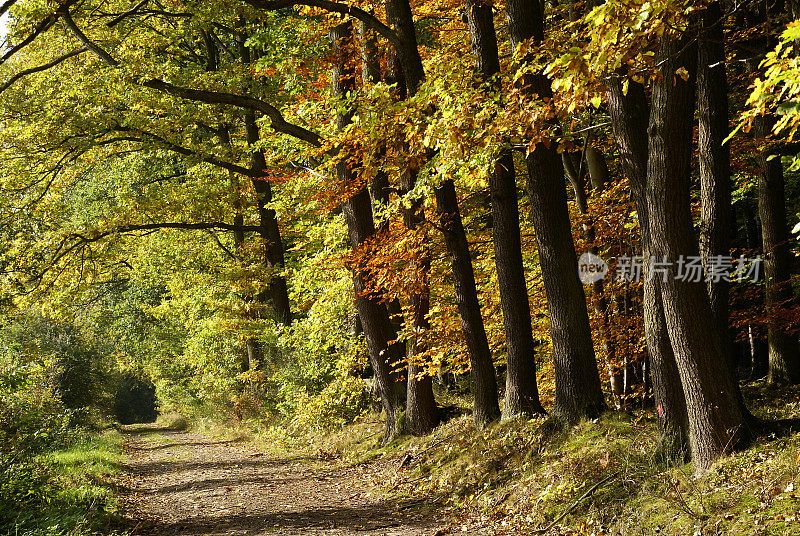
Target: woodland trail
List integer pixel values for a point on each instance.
(180, 483)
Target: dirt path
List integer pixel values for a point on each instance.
(186, 484)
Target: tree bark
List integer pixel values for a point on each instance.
(577, 178)
(277, 289)
(484, 384)
(522, 394)
(783, 358)
(715, 417)
(598, 168)
(715, 188)
(578, 391)
(422, 415)
(629, 117)
(421, 410)
(380, 189)
(377, 326)
(400, 18)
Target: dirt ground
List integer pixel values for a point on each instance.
(185, 484)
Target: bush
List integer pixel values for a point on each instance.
(32, 423)
(339, 403)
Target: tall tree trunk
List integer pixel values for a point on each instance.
(277, 290)
(577, 179)
(715, 187)
(399, 17)
(578, 392)
(421, 411)
(484, 384)
(378, 329)
(783, 360)
(629, 117)
(715, 417)
(380, 189)
(522, 395)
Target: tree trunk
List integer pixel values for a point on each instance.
(277, 290)
(484, 383)
(715, 187)
(784, 361)
(578, 392)
(629, 116)
(577, 178)
(715, 417)
(399, 17)
(522, 395)
(598, 168)
(421, 411)
(380, 189)
(378, 329)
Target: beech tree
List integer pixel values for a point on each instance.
(325, 160)
(578, 391)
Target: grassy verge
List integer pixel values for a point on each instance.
(599, 477)
(74, 497)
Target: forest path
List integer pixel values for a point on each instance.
(181, 483)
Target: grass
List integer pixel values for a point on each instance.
(79, 499)
(598, 477)
(520, 477)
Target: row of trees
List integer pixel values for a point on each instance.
(280, 123)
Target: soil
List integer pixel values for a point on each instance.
(180, 483)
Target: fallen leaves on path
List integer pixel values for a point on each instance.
(185, 484)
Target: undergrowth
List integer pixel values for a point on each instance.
(598, 477)
(67, 490)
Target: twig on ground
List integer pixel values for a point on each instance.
(577, 501)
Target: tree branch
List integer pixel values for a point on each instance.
(277, 121)
(335, 7)
(201, 226)
(174, 147)
(122, 16)
(41, 27)
(44, 67)
(80, 241)
(6, 6)
(91, 45)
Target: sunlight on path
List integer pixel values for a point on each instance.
(186, 484)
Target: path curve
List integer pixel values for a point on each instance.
(181, 483)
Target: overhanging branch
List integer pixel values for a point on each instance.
(88, 43)
(52, 63)
(196, 226)
(277, 121)
(6, 6)
(144, 136)
(334, 7)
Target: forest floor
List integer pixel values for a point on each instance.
(181, 483)
(519, 477)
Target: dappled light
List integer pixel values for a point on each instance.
(343, 267)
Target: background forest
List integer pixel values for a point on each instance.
(287, 215)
